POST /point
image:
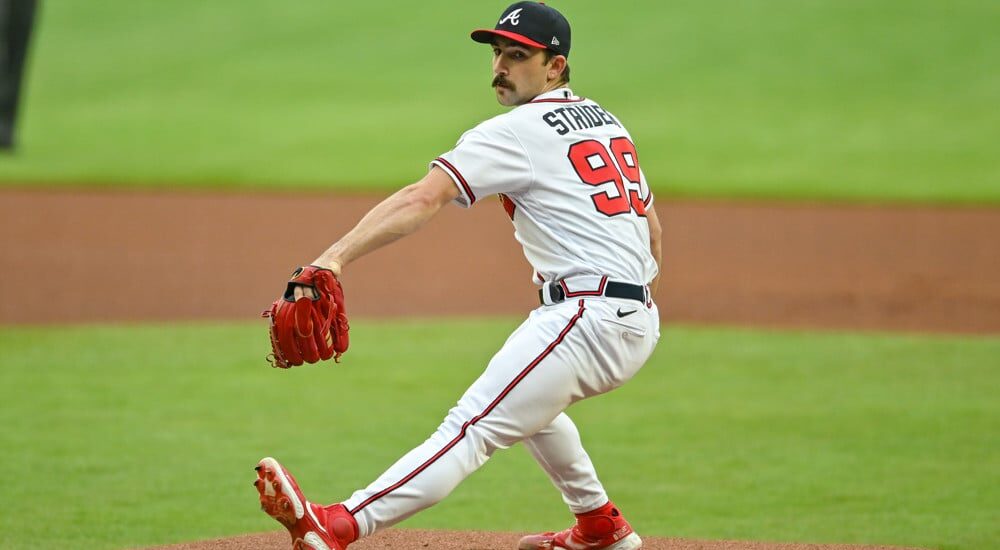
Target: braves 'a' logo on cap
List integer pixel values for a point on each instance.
(514, 17)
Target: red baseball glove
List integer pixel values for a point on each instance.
(308, 330)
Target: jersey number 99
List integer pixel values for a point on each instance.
(594, 164)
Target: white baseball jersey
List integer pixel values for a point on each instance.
(568, 174)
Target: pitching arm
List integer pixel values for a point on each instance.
(404, 212)
(655, 239)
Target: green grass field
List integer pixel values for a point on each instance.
(147, 434)
(829, 99)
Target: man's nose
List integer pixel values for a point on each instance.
(499, 67)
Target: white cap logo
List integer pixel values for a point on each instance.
(514, 17)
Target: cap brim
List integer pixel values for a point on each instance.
(486, 36)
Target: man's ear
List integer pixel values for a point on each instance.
(556, 67)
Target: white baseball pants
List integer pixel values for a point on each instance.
(561, 354)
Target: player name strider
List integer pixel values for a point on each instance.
(579, 117)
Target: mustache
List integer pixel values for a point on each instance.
(499, 80)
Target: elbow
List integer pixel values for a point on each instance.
(426, 197)
(419, 198)
(432, 192)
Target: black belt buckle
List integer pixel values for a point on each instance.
(556, 294)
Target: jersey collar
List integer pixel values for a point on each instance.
(559, 95)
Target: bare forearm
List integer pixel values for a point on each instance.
(655, 248)
(397, 216)
(402, 213)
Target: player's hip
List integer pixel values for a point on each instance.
(610, 317)
(605, 341)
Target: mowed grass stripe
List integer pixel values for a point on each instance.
(831, 99)
(121, 436)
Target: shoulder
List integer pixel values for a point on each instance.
(492, 129)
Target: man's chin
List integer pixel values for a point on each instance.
(506, 97)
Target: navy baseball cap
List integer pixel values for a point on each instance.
(531, 24)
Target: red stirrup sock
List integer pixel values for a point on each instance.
(600, 522)
(341, 523)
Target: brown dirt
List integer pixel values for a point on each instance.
(134, 256)
(414, 539)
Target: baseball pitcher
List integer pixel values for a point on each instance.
(567, 172)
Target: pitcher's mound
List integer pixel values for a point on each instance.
(416, 539)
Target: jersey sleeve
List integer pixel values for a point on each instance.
(487, 160)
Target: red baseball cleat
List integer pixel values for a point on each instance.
(312, 527)
(601, 529)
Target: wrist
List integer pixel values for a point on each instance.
(327, 263)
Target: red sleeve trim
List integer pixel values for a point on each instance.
(459, 178)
